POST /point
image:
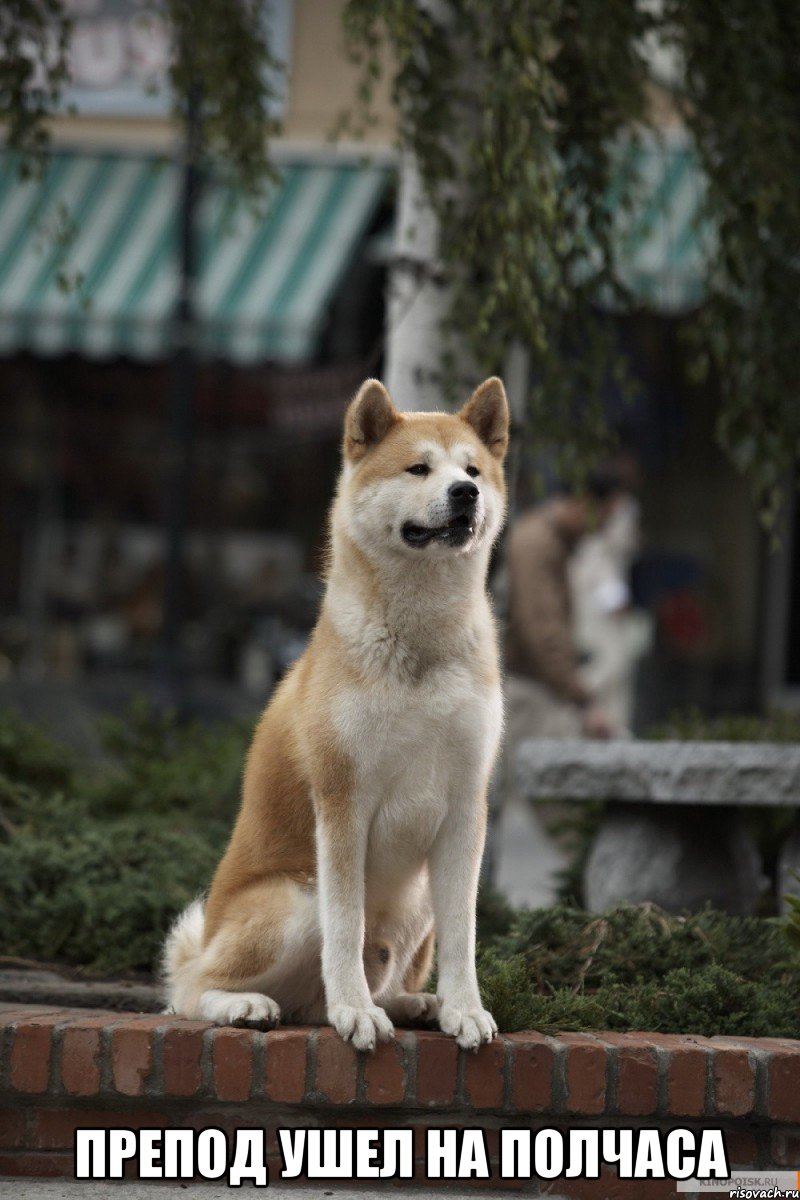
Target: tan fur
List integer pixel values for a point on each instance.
(418, 973)
(301, 782)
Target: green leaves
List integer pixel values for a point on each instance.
(791, 926)
(223, 48)
(512, 109)
(222, 53)
(34, 36)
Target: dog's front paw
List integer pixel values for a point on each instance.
(361, 1026)
(469, 1026)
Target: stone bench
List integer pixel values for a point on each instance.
(672, 832)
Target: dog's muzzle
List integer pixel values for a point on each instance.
(462, 498)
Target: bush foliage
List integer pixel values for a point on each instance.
(96, 859)
(637, 968)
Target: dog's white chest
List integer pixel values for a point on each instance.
(392, 731)
(416, 750)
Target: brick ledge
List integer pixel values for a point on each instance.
(60, 1068)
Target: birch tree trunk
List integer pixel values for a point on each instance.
(417, 300)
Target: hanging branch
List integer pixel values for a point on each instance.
(512, 122)
(34, 41)
(554, 84)
(742, 81)
(227, 42)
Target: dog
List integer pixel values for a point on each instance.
(363, 812)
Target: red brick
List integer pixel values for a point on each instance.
(734, 1083)
(54, 1128)
(232, 1063)
(784, 1085)
(437, 1061)
(611, 1187)
(585, 1074)
(483, 1075)
(385, 1073)
(81, 1052)
(742, 1148)
(24, 1165)
(182, 1049)
(532, 1062)
(132, 1057)
(687, 1072)
(423, 1186)
(337, 1065)
(12, 1128)
(785, 1148)
(31, 1054)
(286, 1065)
(12, 1013)
(637, 1074)
(80, 1061)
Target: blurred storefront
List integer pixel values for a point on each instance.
(287, 316)
(290, 311)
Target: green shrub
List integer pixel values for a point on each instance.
(95, 863)
(637, 968)
(30, 756)
(158, 764)
(100, 894)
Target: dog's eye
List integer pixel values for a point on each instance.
(472, 471)
(419, 469)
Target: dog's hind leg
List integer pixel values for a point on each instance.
(411, 1003)
(261, 959)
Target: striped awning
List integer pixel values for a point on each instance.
(88, 257)
(663, 245)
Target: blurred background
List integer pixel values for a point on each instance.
(175, 360)
(216, 220)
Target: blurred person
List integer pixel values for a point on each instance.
(547, 695)
(611, 634)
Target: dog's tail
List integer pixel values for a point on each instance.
(180, 959)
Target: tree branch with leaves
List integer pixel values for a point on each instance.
(525, 208)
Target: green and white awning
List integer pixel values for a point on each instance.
(88, 252)
(88, 257)
(663, 245)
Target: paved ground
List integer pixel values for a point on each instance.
(526, 857)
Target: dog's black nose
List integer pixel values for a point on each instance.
(462, 494)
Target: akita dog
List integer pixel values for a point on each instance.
(363, 814)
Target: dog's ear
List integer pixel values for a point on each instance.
(487, 412)
(369, 418)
